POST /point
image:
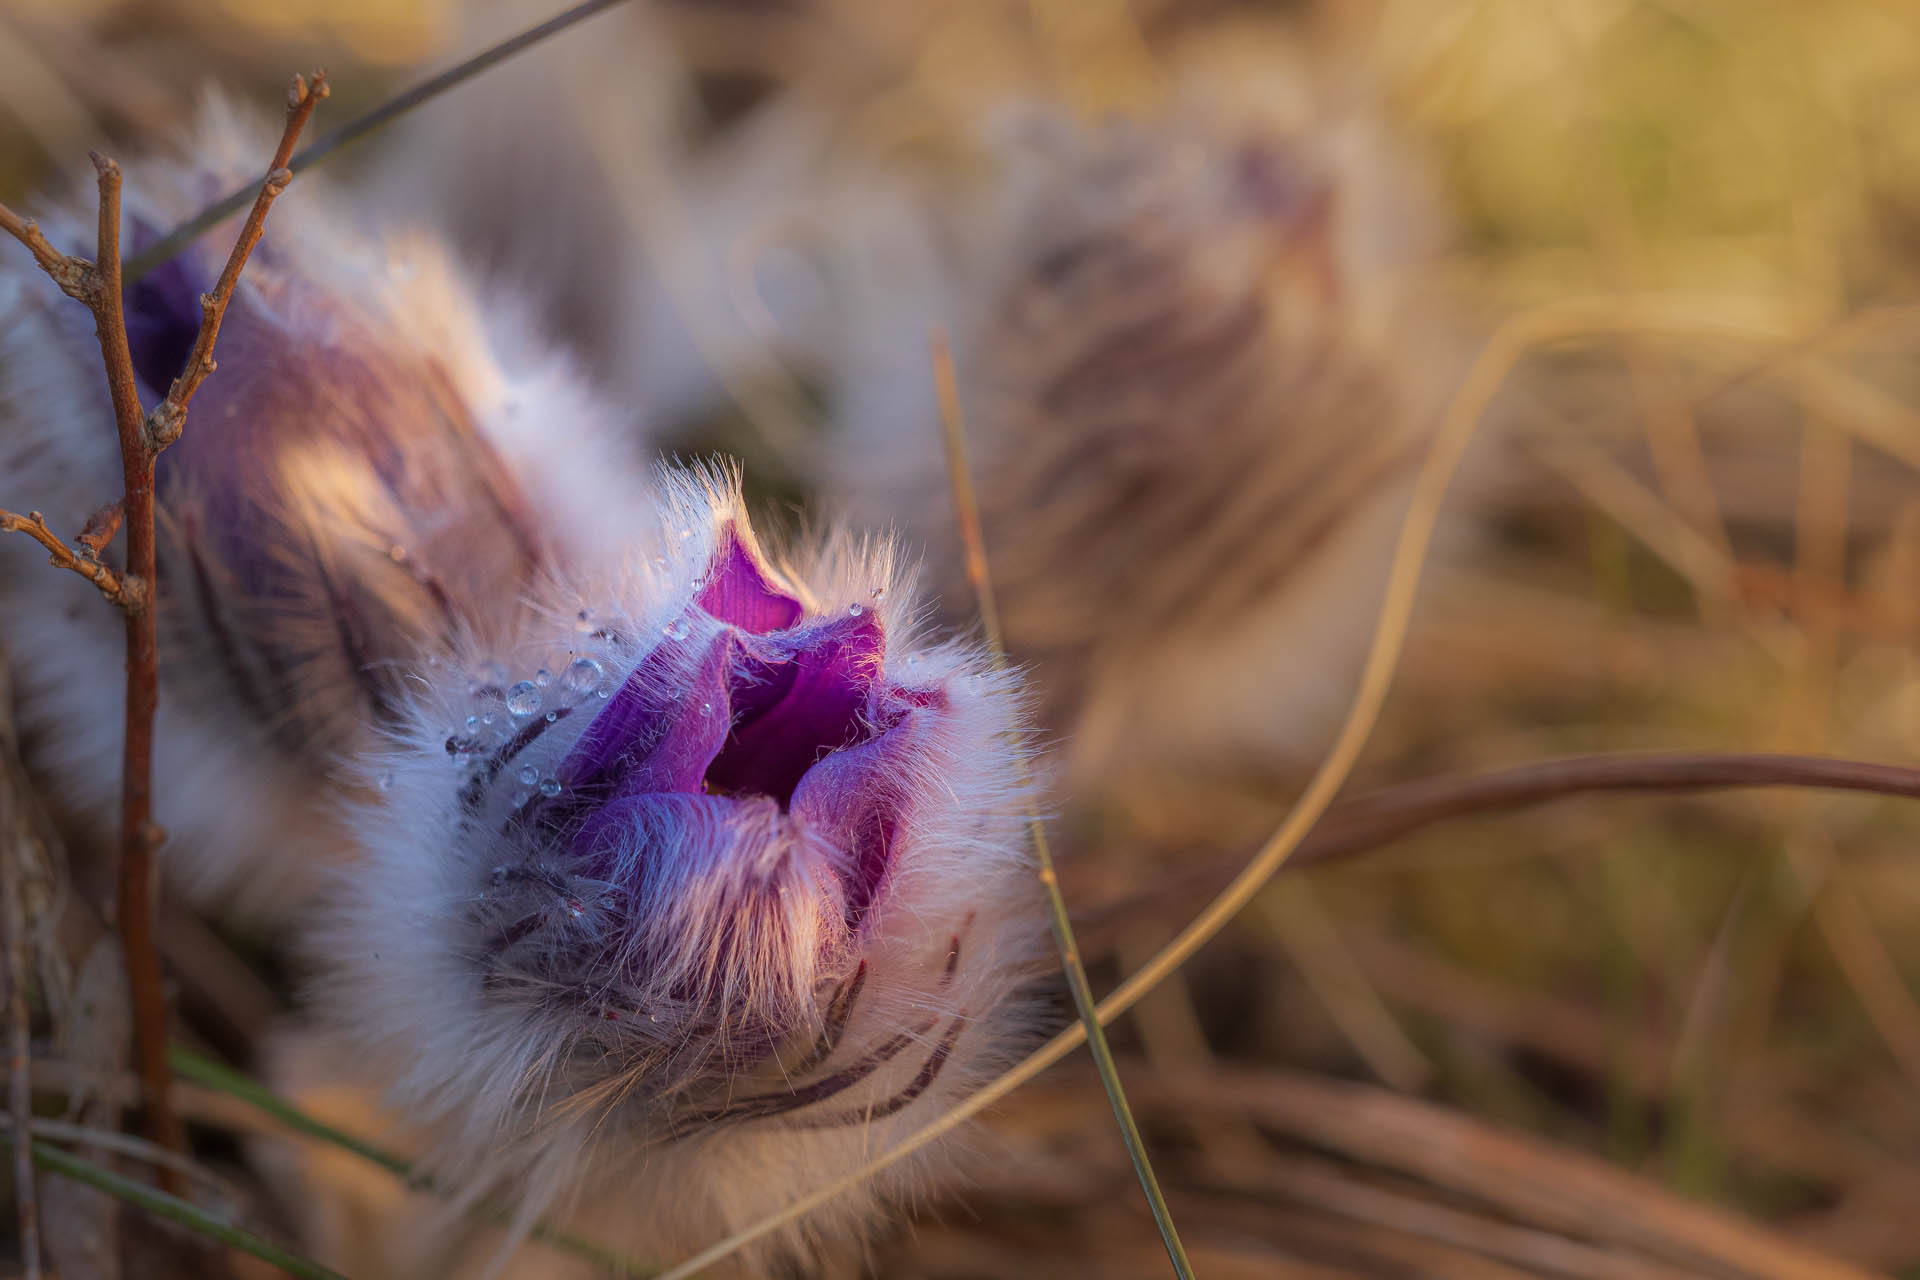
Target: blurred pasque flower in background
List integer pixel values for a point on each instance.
(1177, 338)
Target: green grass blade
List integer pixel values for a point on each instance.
(161, 1205)
(967, 511)
(188, 1065)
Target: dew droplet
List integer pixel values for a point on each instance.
(552, 716)
(487, 718)
(583, 621)
(384, 781)
(523, 699)
(706, 708)
(549, 787)
(582, 675)
(856, 609)
(543, 677)
(677, 629)
(879, 593)
(473, 722)
(529, 775)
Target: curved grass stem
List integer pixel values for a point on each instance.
(1560, 321)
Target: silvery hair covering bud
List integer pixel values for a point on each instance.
(727, 889)
(1189, 445)
(382, 465)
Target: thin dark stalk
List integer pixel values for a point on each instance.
(967, 514)
(134, 906)
(170, 415)
(61, 556)
(1373, 819)
(392, 109)
(1380, 817)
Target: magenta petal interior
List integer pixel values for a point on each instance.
(798, 717)
(820, 707)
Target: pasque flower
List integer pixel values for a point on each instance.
(680, 906)
(385, 460)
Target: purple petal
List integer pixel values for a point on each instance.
(738, 592)
(657, 735)
(856, 799)
(801, 710)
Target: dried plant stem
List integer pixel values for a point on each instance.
(1379, 817)
(392, 109)
(19, 1032)
(967, 514)
(1559, 321)
(98, 285)
(161, 1205)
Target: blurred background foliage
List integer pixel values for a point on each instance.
(1674, 541)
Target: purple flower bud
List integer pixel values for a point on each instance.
(738, 888)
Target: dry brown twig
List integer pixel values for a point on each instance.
(1376, 818)
(85, 562)
(142, 437)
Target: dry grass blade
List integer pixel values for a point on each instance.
(1379, 817)
(967, 511)
(1525, 1178)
